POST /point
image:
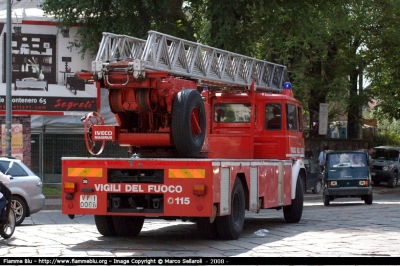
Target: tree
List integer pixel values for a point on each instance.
(327, 46)
(294, 33)
(384, 70)
(133, 18)
(226, 24)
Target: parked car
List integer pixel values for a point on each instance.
(347, 175)
(314, 175)
(26, 189)
(386, 165)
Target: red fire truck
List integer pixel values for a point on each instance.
(210, 133)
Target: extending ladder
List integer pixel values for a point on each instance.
(188, 59)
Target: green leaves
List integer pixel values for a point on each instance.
(327, 45)
(134, 18)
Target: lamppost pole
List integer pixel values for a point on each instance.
(8, 81)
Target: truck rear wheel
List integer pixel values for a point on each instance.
(188, 122)
(128, 225)
(293, 212)
(105, 225)
(231, 226)
(206, 229)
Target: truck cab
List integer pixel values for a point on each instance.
(275, 132)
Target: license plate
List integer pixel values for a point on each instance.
(373, 173)
(88, 201)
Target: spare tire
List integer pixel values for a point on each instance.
(188, 122)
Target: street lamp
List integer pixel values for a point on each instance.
(8, 81)
(65, 32)
(17, 29)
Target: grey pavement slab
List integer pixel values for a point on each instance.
(347, 228)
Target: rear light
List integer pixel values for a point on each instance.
(39, 184)
(363, 183)
(69, 187)
(199, 190)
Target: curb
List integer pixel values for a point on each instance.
(53, 197)
(52, 207)
(310, 197)
(52, 203)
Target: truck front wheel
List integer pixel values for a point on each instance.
(231, 226)
(128, 225)
(293, 212)
(105, 225)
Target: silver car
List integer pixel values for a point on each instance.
(26, 188)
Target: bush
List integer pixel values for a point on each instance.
(384, 139)
(51, 191)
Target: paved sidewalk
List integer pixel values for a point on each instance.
(347, 228)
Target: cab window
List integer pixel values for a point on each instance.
(232, 113)
(291, 117)
(273, 116)
(300, 118)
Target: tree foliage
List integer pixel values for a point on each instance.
(133, 18)
(228, 25)
(328, 46)
(384, 69)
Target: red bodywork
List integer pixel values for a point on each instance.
(175, 189)
(160, 183)
(143, 110)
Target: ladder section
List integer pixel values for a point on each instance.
(192, 60)
(119, 47)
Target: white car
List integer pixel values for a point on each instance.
(26, 188)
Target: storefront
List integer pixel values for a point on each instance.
(44, 107)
